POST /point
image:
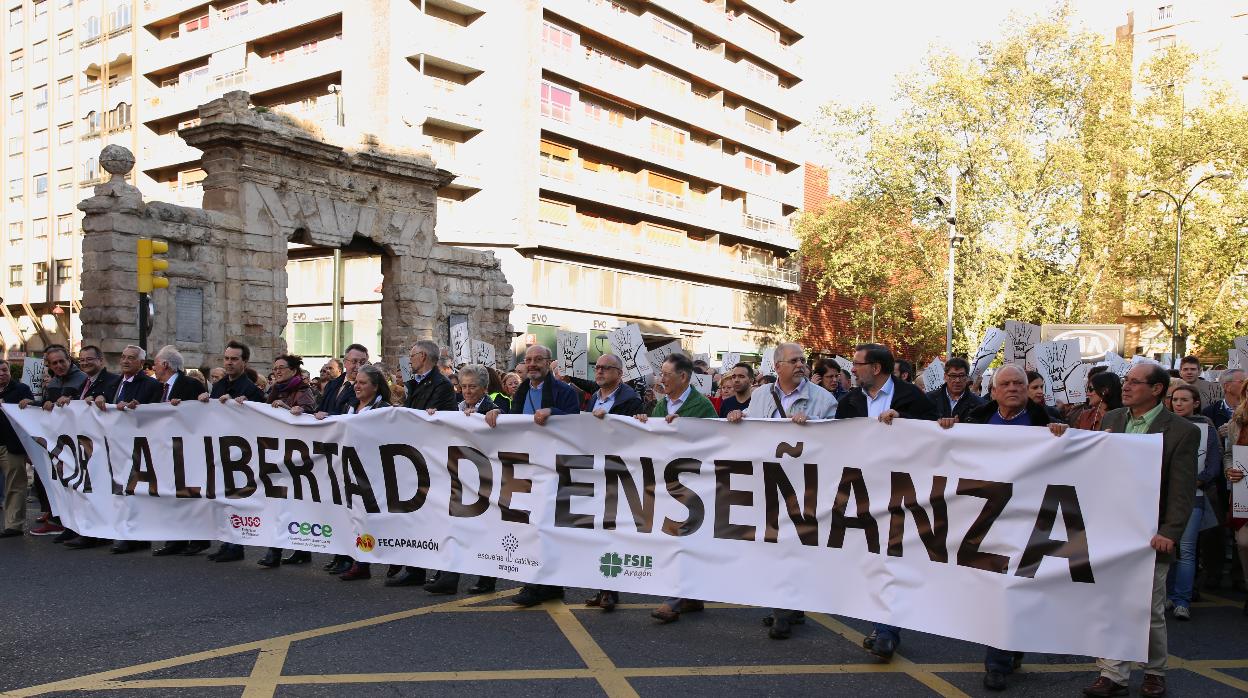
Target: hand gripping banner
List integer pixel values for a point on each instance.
(1006, 536)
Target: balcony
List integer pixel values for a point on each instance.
(619, 243)
(451, 105)
(166, 150)
(718, 23)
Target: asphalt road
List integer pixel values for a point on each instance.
(92, 623)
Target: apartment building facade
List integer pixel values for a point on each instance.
(628, 160)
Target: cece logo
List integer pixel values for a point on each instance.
(312, 529)
(244, 521)
(365, 542)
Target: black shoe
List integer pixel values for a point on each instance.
(170, 549)
(227, 555)
(65, 536)
(533, 594)
(994, 681)
(882, 647)
(273, 558)
(10, 533)
(868, 642)
(447, 583)
(334, 562)
(121, 547)
(82, 543)
(393, 570)
(484, 585)
(341, 566)
(409, 577)
(780, 629)
(299, 557)
(196, 547)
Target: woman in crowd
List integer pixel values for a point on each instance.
(1035, 391)
(1237, 435)
(372, 392)
(511, 382)
(288, 389)
(496, 391)
(1104, 394)
(1185, 402)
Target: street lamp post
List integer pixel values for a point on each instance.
(951, 217)
(1175, 353)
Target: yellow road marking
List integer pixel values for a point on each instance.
(267, 670)
(915, 671)
(612, 681)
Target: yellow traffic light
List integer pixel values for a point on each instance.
(147, 266)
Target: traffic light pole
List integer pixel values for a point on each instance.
(143, 328)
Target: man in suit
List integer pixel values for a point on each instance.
(176, 386)
(953, 399)
(337, 395)
(542, 396)
(1143, 412)
(613, 395)
(879, 396)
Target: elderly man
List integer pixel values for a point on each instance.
(66, 379)
(339, 394)
(13, 457)
(1143, 412)
(879, 396)
(542, 396)
(793, 396)
(176, 386)
(613, 395)
(1010, 405)
(953, 399)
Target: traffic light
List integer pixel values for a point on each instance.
(147, 266)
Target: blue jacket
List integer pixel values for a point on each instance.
(560, 397)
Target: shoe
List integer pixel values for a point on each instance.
(121, 547)
(780, 629)
(65, 536)
(533, 594)
(196, 547)
(664, 614)
(446, 583)
(883, 647)
(606, 600)
(356, 572)
(1017, 663)
(47, 529)
(170, 549)
(341, 566)
(393, 570)
(271, 559)
(1103, 688)
(484, 585)
(227, 555)
(868, 642)
(1182, 613)
(82, 543)
(299, 557)
(1154, 686)
(691, 606)
(409, 577)
(994, 681)
(333, 562)
(10, 533)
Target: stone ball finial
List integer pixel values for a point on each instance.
(116, 160)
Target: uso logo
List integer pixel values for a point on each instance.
(244, 521)
(365, 542)
(310, 529)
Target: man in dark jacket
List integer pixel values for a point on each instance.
(612, 395)
(13, 457)
(337, 395)
(176, 386)
(65, 379)
(953, 399)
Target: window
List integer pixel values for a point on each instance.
(760, 74)
(15, 189)
(1159, 43)
(556, 37)
(40, 8)
(1165, 12)
(606, 113)
(120, 18)
(16, 63)
(65, 179)
(666, 81)
(90, 169)
(556, 160)
(65, 134)
(93, 122)
(15, 233)
(39, 52)
(91, 28)
(556, 102)
(41, 273)
(671, 32)
(39, 140)
(65, 89)
(667, 140)
(234, 12)
(15, 144)
(15, 276)
(277, 56)
(65, 43)
(64, 225)
(41, 185)
(39, 229)
(554, 212)
(757, 121)
(15, 17)
(316, 338)
(66, 3)
(16, 105)
(761, 30)
(196, 24)
(665, 191)
(64, 271)
(118, 118)
(759, 166)
(41, 97)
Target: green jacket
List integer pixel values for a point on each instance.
(696, 406)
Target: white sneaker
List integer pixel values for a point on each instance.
(1182, 613)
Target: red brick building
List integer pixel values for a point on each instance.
(821, 322)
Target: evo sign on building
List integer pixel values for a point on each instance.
(1094, 340)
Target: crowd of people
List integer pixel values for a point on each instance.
(1196, 538)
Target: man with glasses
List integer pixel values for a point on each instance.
(613, 396)
(793, 396)
(953, 399)
(1142, 412)
(338, 394)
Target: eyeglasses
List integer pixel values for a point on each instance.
(1135, 381)
(955, 376)
(606, 368)
(864, 363)
(794, 361)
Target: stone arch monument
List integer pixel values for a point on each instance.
(270, 182)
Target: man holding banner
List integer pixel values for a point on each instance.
(1143, 412)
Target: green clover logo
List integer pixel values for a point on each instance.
(610, 565)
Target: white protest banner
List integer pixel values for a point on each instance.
(1239, 490)
(986, 562)
(572, 353)
(703, 357)
(768, 365)
(729, 360)
(461, 343)
(702, 383)
(1077, 385)
(847, 365)
(483, 353)
(1020, 347)
(405, 367)
(33, 373)
(1117, 365)
(1057, 362)
(1238, 355)
(629, 346)
(656, 357)
(934, 375)
(994, 339)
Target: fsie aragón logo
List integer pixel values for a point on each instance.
(628, 564)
